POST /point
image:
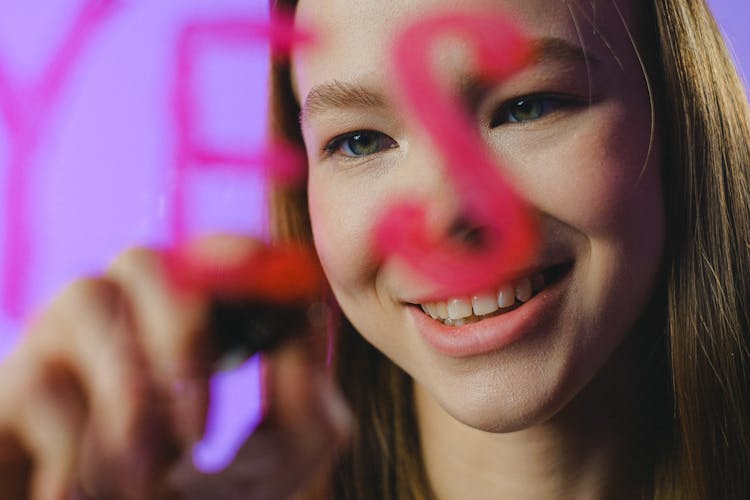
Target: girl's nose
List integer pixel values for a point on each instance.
(424, 172)
(467, 232)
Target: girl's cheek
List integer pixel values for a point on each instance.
(341, 228)
(592, 176)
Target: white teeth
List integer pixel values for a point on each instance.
(523, 290)
(442, 310)
(459, 308)
(463, 310)
(483, 304)
(431, 309)
(506, 297)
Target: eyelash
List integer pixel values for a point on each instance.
(503, 115)
(337, 143)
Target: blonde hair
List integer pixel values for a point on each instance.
(701, 393)
(707, 197)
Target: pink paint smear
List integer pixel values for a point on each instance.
(508, 230)
(26, 111)
(281, 162)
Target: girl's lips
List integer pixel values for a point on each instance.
(493, 333)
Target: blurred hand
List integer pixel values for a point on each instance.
(109, 389)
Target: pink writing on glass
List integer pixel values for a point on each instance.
(26, 111)
(283, 162)
(508, 238)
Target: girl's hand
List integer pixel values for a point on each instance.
(110, 388)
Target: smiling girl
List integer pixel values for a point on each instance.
(616, 364)
(628, 378)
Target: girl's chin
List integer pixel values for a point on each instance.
(497, 409)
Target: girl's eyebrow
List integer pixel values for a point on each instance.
(338, 94)
(549, 49)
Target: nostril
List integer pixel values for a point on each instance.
(467, 233)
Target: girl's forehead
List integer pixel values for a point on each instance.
(373, 22)
(379, 18)
(356, 34)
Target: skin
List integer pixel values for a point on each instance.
(109, 390)
(109, 387)
(532, 419)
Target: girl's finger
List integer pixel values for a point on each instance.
(176, 322)
(305, 429)
(172, 330)
(90, 332)
(50, 426)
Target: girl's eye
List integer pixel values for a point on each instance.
(359, 144)
(527, 109)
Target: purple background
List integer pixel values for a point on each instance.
(105, 161)
(101, 172)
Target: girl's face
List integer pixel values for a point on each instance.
(572, 132)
